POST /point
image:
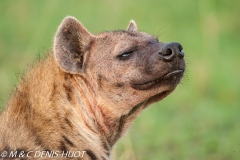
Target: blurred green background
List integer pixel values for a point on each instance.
(201, 119)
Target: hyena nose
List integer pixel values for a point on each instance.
(171, 50)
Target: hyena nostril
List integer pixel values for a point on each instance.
(168, 52)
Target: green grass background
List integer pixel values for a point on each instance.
(201, 119)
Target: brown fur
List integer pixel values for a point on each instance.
(86, 94)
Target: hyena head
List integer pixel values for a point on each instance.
(124, 68)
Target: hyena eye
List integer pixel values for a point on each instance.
(125, 55)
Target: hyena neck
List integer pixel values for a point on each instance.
(97, 116)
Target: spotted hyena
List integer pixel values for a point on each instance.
(87, 92)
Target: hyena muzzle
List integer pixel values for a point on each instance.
(86, 93)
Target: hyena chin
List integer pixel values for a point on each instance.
(87, 92)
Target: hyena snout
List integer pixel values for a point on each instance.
(170, 51)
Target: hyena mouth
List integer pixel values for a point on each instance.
(173, 78)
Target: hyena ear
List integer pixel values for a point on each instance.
(132, 27)
(70, 44)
